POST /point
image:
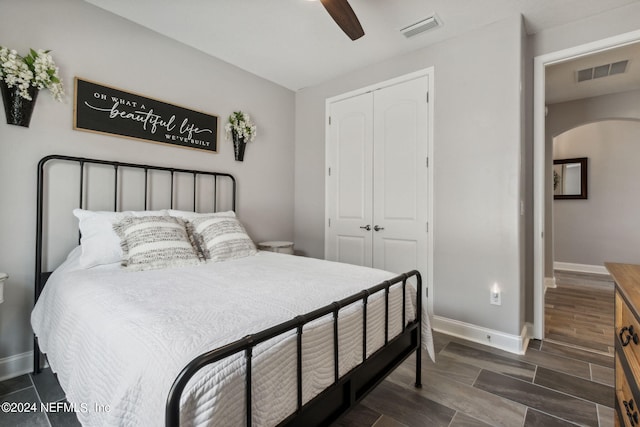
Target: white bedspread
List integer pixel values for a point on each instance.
(118, 339)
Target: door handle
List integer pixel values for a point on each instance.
(366, 227)
(377, 228)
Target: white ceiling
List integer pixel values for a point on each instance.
(296, 44)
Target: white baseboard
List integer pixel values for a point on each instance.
(580, 268)
(16, 365)
(549, 282)
(503, 341)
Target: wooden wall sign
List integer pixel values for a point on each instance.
(111, 111)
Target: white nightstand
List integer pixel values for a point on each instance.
(277, 246)
(3, 277)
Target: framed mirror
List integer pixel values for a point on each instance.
(570, 178)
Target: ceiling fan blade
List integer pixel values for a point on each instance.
(345, 17)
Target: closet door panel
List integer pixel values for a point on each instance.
(400, 176)
(353, 250)
(399, 255)
(351, 167)
(396, 151)
(349, 191)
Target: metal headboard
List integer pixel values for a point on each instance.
(117, 167)
(83, 163)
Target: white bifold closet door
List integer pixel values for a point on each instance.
(377, 178)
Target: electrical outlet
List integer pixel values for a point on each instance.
(495, 297)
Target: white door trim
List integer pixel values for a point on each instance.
(394, 81)
(427, 281)
(540, 62)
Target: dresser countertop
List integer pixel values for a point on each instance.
(627, 277)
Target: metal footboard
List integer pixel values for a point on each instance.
(347, 390)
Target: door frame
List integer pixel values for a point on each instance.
(539, 162)
(427, 280)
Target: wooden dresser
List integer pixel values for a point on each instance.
(627, 342)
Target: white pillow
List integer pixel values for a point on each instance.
(100, 243)
(189, 215)
(152, 242)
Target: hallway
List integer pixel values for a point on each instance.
(579, 312)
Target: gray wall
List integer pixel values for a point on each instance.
(477, 149)
(564, 116)
(603, 227)
(93, 44)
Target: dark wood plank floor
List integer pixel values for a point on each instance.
(474, 385)
(579, 311)
(563, 381)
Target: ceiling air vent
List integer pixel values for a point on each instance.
(602, 71)
(420, 27)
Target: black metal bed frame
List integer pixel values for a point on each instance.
(330, 404)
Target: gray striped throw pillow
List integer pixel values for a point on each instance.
(221, 238)
(154, 242)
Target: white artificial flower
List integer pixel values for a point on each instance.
(34, 70)
(240, 126)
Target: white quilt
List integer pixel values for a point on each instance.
(118, 339)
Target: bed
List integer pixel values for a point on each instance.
(259, 339)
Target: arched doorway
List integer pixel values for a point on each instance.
(589, 232)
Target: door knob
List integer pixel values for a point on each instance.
(377, 228)
(366, 227)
